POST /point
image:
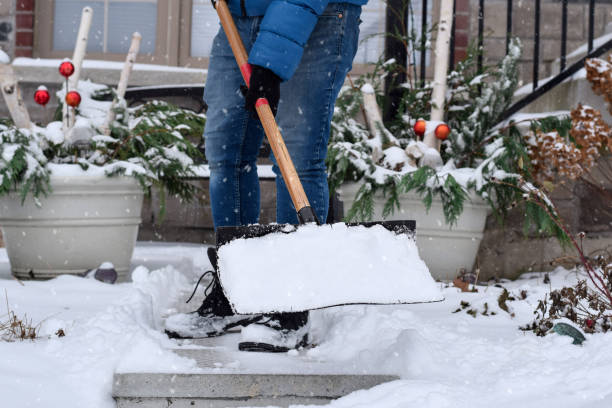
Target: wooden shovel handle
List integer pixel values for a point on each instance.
(294, 185)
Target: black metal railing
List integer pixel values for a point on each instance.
(509, 24)
(423, 40)
(553, 82)
(480, 32)
(396, 20)
(563, 34)
(564, 72)
(536, 44)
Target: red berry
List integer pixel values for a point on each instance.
(590, 323)
(419, 127)
(442, 131)
(41, 96)
(73, 99)
(66, 69)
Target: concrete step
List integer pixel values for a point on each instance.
(227, 377)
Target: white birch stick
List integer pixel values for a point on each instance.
(372, 113)
(130, 59)
(77, 60)
(12, 97)
(80, 46)
(373, 120)
(441, 68)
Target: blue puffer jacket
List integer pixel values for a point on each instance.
(284, 30)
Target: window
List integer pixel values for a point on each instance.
(112, 25)
(174, 32)
(205, 24)
(371, 29)
(204, 27)
(415, 23)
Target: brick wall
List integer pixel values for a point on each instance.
(462, 28)
(24, 25)
(17, 27)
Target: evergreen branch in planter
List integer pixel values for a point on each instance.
(150, 142)
(363, 208)
(157, 134)
(22, 164)
(477, 154)
(474, 102)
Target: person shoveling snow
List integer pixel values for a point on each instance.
(272, 281)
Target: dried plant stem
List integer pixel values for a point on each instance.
(536, 197)
(15, 328)
(18, 280)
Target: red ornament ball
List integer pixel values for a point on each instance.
(419, 127)
(590, 323)
(442, 131)
(73, 99)
(41, 96)
(66, 69)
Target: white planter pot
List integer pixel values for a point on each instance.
(85, 220)
(445, 250)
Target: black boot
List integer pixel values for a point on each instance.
(276, 333)
(213, 318)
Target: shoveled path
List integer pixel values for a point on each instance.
(230, 378)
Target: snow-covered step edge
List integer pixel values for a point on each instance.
(241, 386)
(218, 403)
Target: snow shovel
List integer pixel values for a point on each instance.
(287, 268)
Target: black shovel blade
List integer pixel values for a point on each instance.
(226, 234)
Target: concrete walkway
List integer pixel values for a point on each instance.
(230, 378)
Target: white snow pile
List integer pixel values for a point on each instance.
(320, 266)
(367, 88)
(444, 357)
(450, 359)
(107, 328)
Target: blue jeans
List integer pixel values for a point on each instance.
(233, 136)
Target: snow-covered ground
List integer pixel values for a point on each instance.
(448, 359)
(445, 359)
(106, 327)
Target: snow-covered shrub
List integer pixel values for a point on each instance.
(148, 142)
(481, 155)
(23, 161)
(588, 305)
(475, 155)
(599, 73)
(569, 149)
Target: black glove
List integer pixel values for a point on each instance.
(264, 84)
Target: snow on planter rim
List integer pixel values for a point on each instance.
(322, 266)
